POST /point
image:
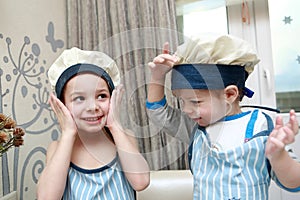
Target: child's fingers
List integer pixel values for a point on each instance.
(274, 133)
(53, 103)
(286, 135)
(282, 134)
(121, 93)
(113, 98)
(164, 58)
(270, 148)
(116, 97)
(277, 143)
(151, 64)
(292, 112)
(165, 63)
(293, 123)
(279, 122)
(159, 59)
(166, 52)
(59, 108)
(118, 94)
(58, 105)
(273, 146)
(166, 48)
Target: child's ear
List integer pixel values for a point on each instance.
(231, 93)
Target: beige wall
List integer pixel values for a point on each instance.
(23, 30)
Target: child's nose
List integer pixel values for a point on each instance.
(93, 106)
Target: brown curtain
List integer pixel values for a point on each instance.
(132, 32)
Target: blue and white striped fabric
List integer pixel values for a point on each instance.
(241, 172)
(227, 158)
(105, 183)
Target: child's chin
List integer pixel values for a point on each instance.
(203, 124)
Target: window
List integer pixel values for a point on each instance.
(285, 31)
(201, 17)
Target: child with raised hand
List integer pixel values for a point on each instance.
(233, 154)
(285, 168)
(95, 157)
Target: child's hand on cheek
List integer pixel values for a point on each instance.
(64, 117)
(113, 118)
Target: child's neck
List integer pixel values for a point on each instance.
(94, 138)
(93, 152)
(235, 109)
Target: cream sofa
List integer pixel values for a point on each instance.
(10, 196)
(168, 185)
(178, 185)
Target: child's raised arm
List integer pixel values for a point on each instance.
(286, 169)
(52, 181)
(134, 165)
(159, 67)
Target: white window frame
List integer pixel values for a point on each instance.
(258, 33)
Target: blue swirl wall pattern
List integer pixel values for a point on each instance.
(24, 93)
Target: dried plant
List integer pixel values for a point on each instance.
(10, 134)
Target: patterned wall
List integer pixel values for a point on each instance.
(24, 90)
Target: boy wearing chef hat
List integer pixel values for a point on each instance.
(233, 154)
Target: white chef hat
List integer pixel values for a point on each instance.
(224, 50)
(214, 63)
(74, 61)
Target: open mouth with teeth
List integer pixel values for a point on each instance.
(94, 120)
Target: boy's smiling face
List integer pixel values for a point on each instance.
(88, 98)
(203, 106)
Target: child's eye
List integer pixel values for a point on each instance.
(195, 102)
(102, 96)
(78, 99)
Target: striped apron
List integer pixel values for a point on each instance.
(105, 183)
(240, 173)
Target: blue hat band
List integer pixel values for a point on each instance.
(207, 76)
(81, 68)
